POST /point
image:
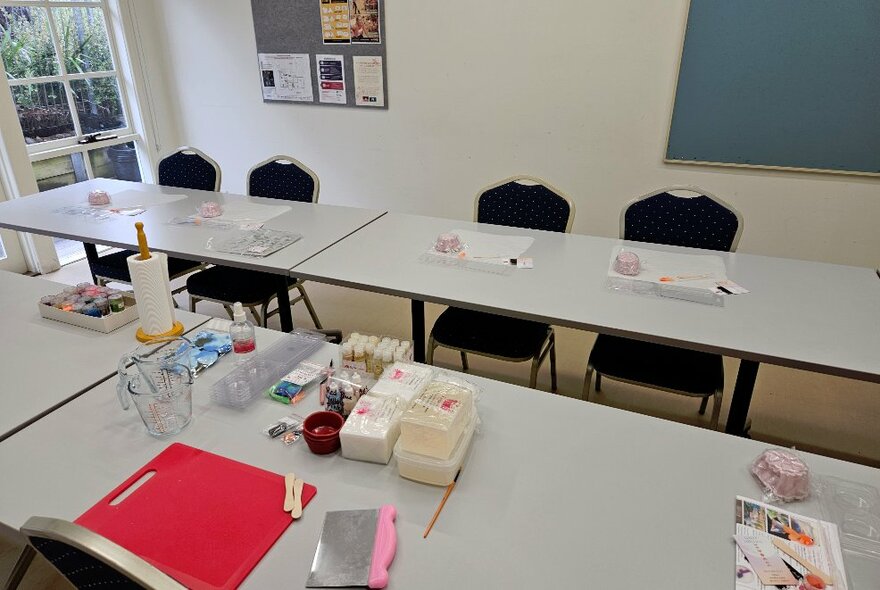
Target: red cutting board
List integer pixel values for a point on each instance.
(204, 520)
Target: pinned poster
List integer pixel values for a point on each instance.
(286, 76)
(331, 79)
(365, 21)
(369, 87)
(335, 21)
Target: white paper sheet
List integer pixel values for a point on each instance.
(683, 270)
(369, 89)
(331, 78)
(490, 247)
(245, 212)
(286, 76)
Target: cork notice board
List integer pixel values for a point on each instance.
(322, 52)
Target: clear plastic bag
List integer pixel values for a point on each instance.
(783, 476)
(254, 242)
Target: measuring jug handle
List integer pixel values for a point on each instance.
(122, 382)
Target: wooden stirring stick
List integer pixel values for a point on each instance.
(449, 489)
(297, 510)
(813, 569)
(289, 480)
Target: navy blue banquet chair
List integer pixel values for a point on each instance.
(678, 216)
(186, 167)
(85, 558)
(279, 177)
(521, 201)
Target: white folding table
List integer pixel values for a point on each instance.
(320, 225)
(806, 315)
(44, 362)
(554, 494)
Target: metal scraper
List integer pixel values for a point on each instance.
(356, 549)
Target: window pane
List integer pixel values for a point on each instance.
(60, 171)
(97, 104)
(2, 250)
(83, 39)
(43, 111)
(117, 161)
(26, 44)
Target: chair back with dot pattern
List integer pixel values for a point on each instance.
(189, 168)
(699, 220)
(527, 202)
(89, 560)
(283, 177)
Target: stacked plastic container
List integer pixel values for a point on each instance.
(436, 431)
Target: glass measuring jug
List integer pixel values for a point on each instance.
(157, 378)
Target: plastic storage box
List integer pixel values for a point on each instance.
(438, 472)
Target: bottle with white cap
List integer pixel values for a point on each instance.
(244, 342)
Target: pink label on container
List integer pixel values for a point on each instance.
(449, 405)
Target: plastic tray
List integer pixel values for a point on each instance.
(436, 471)
(248, 381)
(855, 508)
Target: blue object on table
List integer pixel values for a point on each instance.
(208, 346)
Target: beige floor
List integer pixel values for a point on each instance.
(826, 415)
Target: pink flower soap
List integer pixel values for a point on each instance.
(783, 474)
(627, 263)
(99, 197)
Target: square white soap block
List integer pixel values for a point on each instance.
(372, 429)
(433, 423)
(403, 380)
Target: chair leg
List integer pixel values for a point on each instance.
(464, 362)
(553, 363)
(432, 344)
(192, 302)
(266, 314)
(256, 314)
(703, 404)
(229, 312)
(20, 568)
(309, 306)
(598, 381)
(588, 378)
(533, 378)
(716, 408)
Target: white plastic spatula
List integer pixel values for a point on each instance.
(289, 500)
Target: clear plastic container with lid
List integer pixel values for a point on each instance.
(438, 472)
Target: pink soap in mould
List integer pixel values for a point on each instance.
(448, 243)
(210, 209)
(99, 197)
(627, 263)
(783, 474)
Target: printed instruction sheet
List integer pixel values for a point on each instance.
(761, 523)
(369, 88)
(286, 76)
(331, 78)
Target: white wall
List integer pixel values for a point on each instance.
(578, 92)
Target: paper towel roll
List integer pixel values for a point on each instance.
(152, 290)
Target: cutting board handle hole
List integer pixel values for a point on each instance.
(130, 489)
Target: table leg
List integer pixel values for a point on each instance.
(284, 312)
(742, 397)
(418, 330)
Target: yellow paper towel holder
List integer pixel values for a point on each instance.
(177, 328)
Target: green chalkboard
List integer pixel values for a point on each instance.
(780, 83)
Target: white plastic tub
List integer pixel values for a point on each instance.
(438, 472)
